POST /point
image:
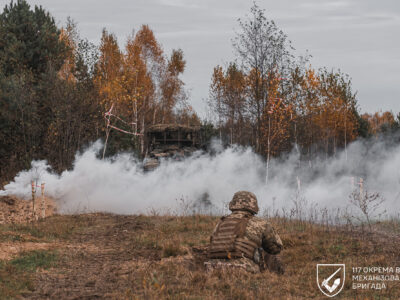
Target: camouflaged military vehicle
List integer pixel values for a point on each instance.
(170, 141)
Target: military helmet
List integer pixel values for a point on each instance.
(244, 200)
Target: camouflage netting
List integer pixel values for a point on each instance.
(172, 127)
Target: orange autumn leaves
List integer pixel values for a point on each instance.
(381, 122)
(141, 82)
(326, 111)
(276, 127)
(228, 95)
(315, 110)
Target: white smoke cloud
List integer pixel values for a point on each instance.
(119, 184)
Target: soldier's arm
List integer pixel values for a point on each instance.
(215, 230)
(212, 234)
(271, 242)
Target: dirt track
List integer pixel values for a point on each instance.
(95, 262)
(100, 261)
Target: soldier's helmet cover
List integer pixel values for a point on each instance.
(244, 200)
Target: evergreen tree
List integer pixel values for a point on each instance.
(29, 40)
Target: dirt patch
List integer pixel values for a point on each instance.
(11, 250)
(98, 260)
(17, 210)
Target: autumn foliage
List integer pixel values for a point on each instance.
(55, 88)
(141, 84)
(274, 102)
(59, 93)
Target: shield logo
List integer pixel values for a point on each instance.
(330, 278)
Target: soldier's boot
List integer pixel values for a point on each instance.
(274, 263)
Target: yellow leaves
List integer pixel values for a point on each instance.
(119, 76)
(160, 288)
(276, 125)
(146, 40)
(153, 283)
(138, 81)
(229, 89)
(176, 63)
(318, 107)
(218, 79)
(327, 109)
(311, 79)
(379, 120)
(66, 70)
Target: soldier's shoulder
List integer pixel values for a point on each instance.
(259, 221)
(258, 224)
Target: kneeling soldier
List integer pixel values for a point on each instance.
(242, 240)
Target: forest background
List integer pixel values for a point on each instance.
(56, 87)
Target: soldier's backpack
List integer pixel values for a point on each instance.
(228, 240)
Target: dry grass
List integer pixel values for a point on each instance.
(139, 257)
(16, 210)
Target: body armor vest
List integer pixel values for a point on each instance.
(228, 240)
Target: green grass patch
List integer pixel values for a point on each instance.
(17, 275)
(11, 237)
(30, 261)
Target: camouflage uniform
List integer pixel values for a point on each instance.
(241, 240)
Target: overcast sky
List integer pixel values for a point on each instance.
(360, 37)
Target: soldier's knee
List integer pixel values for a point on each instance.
(274, 264)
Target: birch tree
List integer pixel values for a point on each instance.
(263, 49)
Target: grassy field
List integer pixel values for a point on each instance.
(150, 257)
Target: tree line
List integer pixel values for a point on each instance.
(271, 100)
(56, 88)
